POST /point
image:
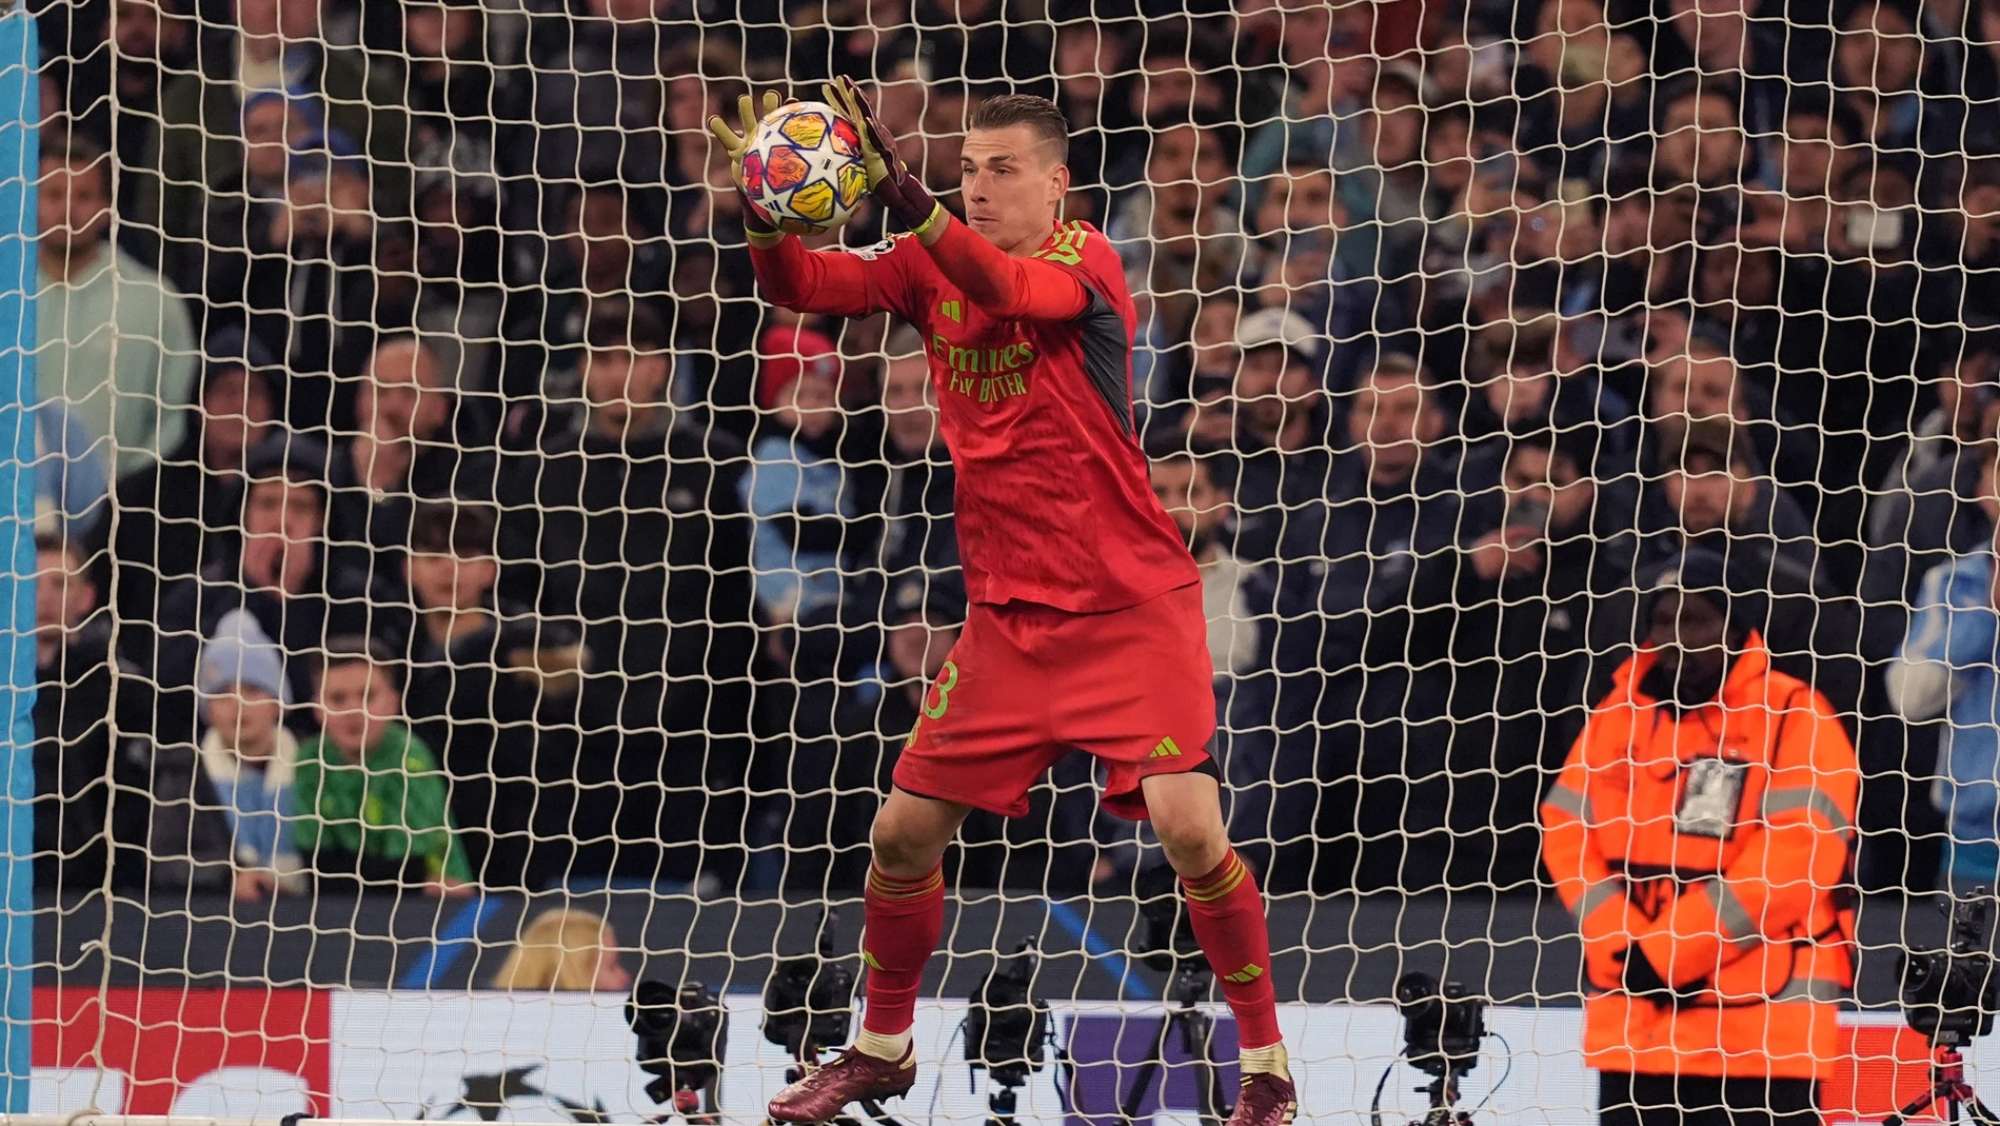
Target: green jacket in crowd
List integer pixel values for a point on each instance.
(389, 807)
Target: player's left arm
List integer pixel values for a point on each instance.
(1004, 286)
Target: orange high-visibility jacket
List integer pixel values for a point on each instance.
(1743, 913)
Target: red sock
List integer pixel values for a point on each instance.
(901, 923)
(1228, 916)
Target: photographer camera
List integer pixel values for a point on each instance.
(1007, 1029)
(1442, 1031)
(1700, 833)
(680, 1034)
(1949, 997)
(809, 1006)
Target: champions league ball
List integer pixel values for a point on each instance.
(804, 171)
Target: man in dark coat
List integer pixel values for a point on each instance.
(631, 519)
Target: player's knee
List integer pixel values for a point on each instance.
(1192, 838)
(903, 846)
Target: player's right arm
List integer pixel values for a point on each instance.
(833, 282)
(807, 281)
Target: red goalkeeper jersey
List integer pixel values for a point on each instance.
(1034, 388)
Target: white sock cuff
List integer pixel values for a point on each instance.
(891, 1046)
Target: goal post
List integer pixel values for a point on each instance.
(19, 114)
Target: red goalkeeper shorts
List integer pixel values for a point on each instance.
(1028, 684)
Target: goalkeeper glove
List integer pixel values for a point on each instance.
(889, 177)
(757, 227)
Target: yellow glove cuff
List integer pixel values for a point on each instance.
(938, 215)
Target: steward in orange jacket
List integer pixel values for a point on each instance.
(1700, 834)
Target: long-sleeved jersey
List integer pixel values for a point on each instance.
(1031, 358)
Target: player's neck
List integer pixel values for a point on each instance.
(1032, 243)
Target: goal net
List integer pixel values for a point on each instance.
(459, 599)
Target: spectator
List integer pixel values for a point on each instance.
(1364, 607)
(281, 573)
(918, 533)
(274, 45)
(833, 788)
(1230, 588)
(1710, 490)
(1281, 428)
(185, 511)
(372, 803)
(1923, 512)
(115, 346)
(1766, 809)
(797, 489)
(1701, 142)
(565, 950)
(1514, 382)
(596, 249)
(493, 689)
(595, 99)
(1701, 381)
(311, 291)
(1880, 88)
(630, 517)
(402, 448)
(1583, 87)
(75, 726)
(1948, 667)
(1544, 608)
(249, 760)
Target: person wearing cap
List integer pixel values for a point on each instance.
(1700, 834)
(248, 757)
(797, 491)
(1282, 415)
(1949, 666)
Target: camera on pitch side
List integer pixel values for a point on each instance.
(809, 999)
(1007, 1026)
(1950, 995)
(680, 1033)
(1442, 1027)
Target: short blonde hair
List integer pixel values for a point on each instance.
(560, 950)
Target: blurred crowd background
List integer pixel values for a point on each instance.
(402, 361)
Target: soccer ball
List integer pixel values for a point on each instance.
(804, 172)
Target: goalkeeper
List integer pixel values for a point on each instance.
(1086, 628)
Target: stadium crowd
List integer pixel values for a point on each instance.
(427, 496)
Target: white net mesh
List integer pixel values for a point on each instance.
(460, 596)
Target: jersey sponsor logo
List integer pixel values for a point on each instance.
(982, 361)
(988, 388)
(984, 375)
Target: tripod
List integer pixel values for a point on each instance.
(1444, 1099)
(1192, 979)
(1949, 1086)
